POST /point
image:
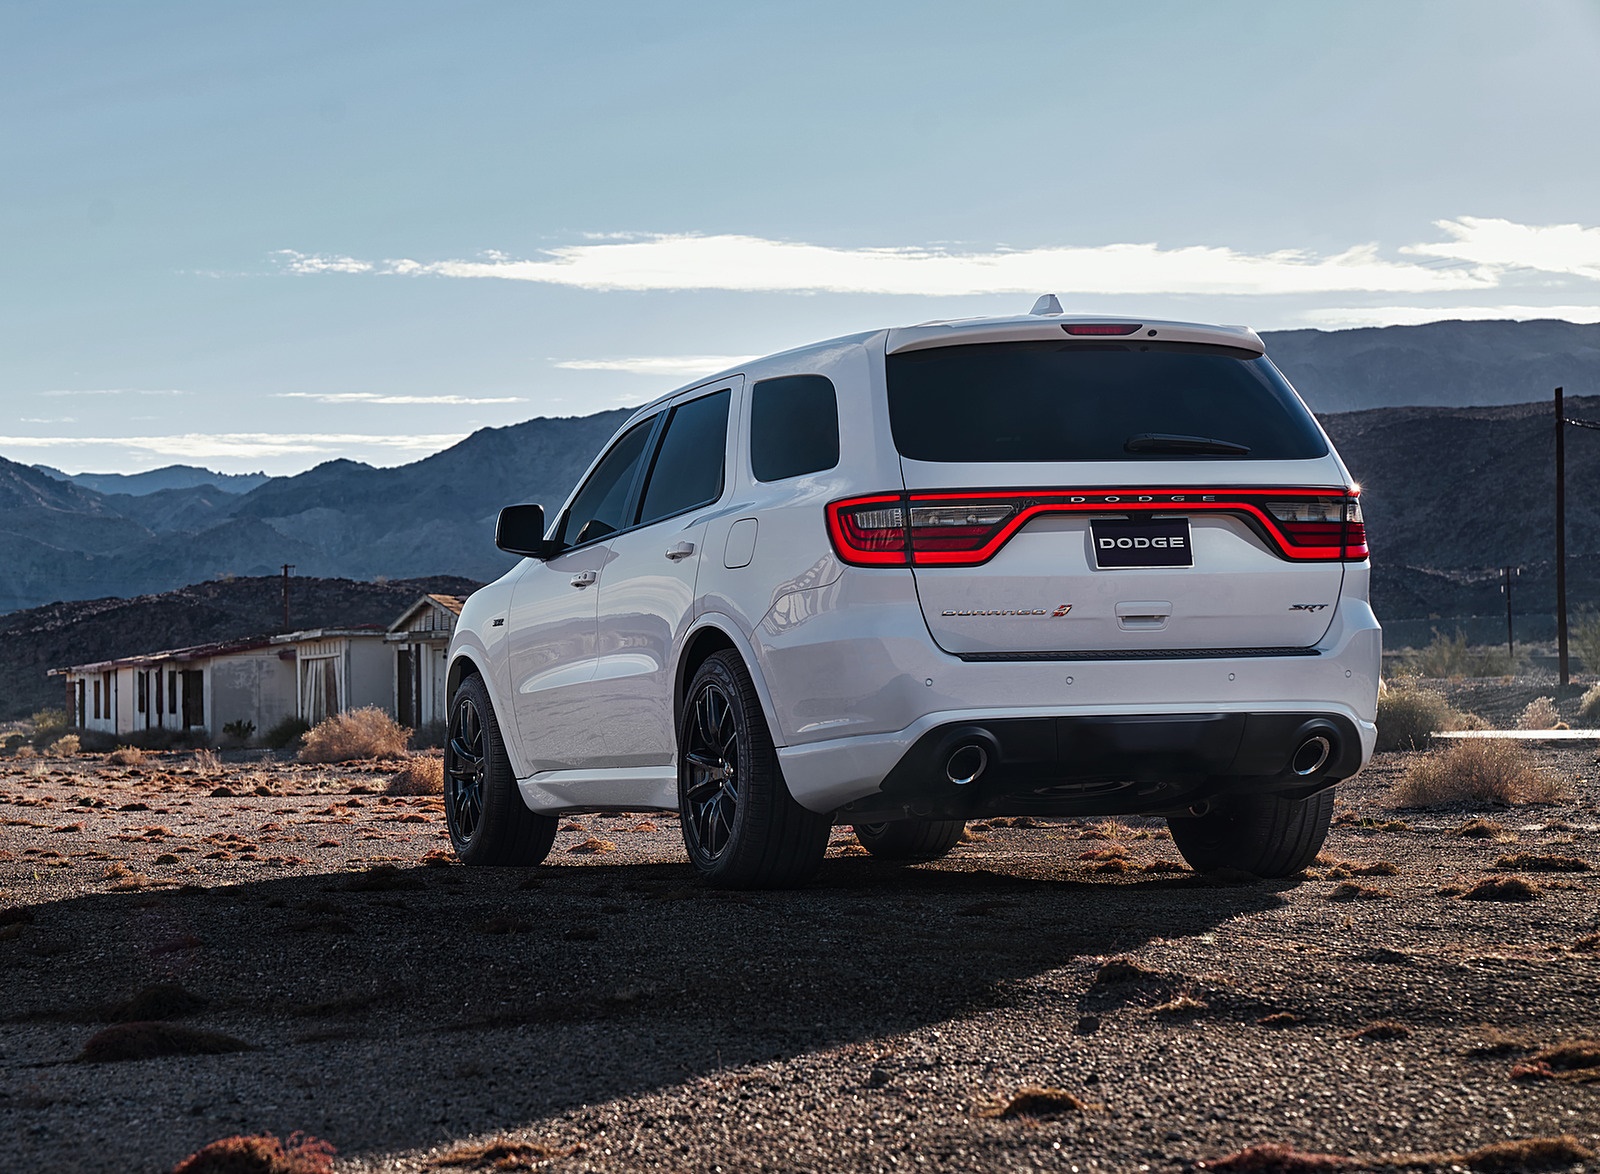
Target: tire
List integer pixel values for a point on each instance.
(489, 823)
(1260, 834)
(911, 839)
(742, 828)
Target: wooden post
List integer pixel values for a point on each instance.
(1561, 538)
(287, 567)
(1511, 645)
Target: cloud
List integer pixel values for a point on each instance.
(373, 397)
(63, 391)
(686, 366)
(754, 264)
(1417, 315)
(1550, 248)
(243, 445)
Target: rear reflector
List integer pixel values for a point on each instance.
(967, 529)
(1117, 328)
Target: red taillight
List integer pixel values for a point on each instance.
(1114, 328)
(967, 529)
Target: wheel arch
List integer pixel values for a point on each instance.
(709, 635)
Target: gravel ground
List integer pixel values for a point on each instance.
(611, 1014)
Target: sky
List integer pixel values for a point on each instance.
(258, 237)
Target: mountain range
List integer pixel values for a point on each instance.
(1448, 427)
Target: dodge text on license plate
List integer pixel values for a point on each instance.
(1146, 542)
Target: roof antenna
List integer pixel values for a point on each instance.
(1047, 304)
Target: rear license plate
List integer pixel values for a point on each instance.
(1147, 542)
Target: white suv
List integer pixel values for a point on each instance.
(1042, 565)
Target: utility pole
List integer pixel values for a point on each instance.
(1561, 537)
(287, 567)
(1505, 587)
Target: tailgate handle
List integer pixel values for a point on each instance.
(1144, 614)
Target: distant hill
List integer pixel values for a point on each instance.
(1446, 364)
(154, 480)
(1454, 484)
(35, 641)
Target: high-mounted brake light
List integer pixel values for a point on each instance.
(1117, 328)
(967, 529)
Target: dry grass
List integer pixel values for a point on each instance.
(355, 734)
(1484, 829)
(207, 762)
(592, 847)
(1120, 970)
(1576, 1061)
(1502, 888)
(1033, 1101)
(64, 747)
(1478, 771)
(263, 1154)
(1351, 891)
(1540, 714)
(146, 1040)
(1589, 707)
(1533, 1153)
(422, 774)
(1381, 1031)
(504, 1154)
(126, 756)
(162, 1000)
(1409, 716)
(1539, 862)
(1274, 1158)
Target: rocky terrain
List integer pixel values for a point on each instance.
(1055, 995)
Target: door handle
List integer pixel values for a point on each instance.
(680, 550)
(584, 579)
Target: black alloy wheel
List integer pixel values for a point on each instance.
(711, 758)
(741, 826)
(488, 821)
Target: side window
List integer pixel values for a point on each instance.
(794, 427)
(601, 504)
(688, 468)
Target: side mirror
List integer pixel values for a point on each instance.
(520, 530)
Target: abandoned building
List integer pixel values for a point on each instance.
(421, 639)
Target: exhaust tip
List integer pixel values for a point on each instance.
(966, 763)
(1312, 755)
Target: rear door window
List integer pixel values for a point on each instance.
(1094, 401)
(689, 463)
(794, 427)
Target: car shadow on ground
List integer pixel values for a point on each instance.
(400, 1008)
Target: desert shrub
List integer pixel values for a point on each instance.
(238, 733)
(422, 774)
(147, 1039)
(64, 747)
(1409, 716)
(126, 756)
(1540, 714)
(14, 742)
(260, 1155)
(1452, 656)
(286, 733)
(357, 733)
(48, 725)
(1583, 639)
(1477, 771)
(1588, 708)
(207, 762)
(429, 735)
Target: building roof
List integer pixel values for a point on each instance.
(447, 603)
(194, 652)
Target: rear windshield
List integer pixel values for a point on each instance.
(1095, 401)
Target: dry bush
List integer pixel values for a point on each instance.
(1477, 771)
(1589, 707)
(207, 762)
(1518, 1157)
(421, 775)
(1540, 862)
(1409, 716)
(1502, 888)
(126, 756)
(1540, 714)
(264, 1154)
(64, 747)
(146, 1040)
(593, 846)
(504, 1154)
(1273, 1158)
(1452, 656)
(1036, 1102)
(1584, 640)
(367, 732)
